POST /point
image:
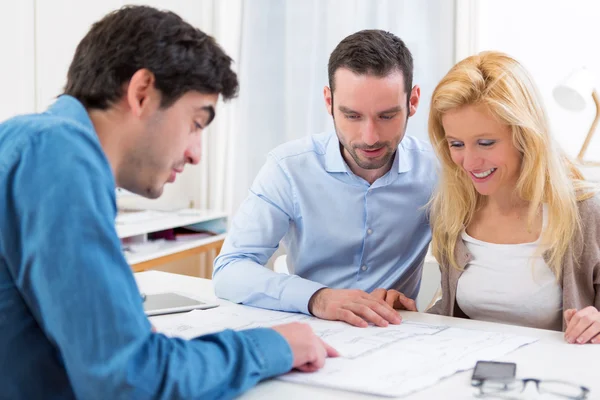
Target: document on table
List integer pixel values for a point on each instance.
(391, 361)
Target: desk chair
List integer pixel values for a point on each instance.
(280, 266)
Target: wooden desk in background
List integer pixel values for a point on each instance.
(134, 227)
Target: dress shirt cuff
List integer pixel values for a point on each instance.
(297, 293)
(273, 350)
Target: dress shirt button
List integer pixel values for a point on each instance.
(369, 231)
(364, 267)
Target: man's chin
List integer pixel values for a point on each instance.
(147, 192)
(155, 193)
(374, 163)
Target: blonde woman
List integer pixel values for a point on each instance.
(516, 230)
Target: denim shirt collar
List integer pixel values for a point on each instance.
(70, 108)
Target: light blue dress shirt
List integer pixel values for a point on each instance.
(72, 323)
(338, 230)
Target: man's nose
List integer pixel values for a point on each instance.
(369, 132)
(194, 151)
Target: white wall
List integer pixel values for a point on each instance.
(17, 89)
(551, 38)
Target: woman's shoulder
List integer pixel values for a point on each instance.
(589, 207)
(589, 214)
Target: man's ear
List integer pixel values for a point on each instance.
(413, 101)
(140, 91)
(328, 99)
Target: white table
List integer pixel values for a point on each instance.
(549, 358)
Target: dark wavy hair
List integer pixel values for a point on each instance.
(181, 57)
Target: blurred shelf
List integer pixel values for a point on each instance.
(133, 223)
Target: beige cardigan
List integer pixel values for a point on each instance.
(580, 284)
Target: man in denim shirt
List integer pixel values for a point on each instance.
(142, 86)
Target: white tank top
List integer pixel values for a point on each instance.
(511, 284)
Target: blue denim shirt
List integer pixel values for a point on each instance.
(72, 323)
(338, 230)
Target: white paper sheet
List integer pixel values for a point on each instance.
(392, 361)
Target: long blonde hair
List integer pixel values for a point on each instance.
(499, 83)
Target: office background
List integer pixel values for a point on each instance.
(280, 49)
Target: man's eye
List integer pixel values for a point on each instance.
(387, 117)
(197, 126)
(352, 116)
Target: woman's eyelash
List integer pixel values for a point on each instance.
(485, 143)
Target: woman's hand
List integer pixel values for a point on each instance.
(583, 326)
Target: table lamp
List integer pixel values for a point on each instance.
(573, 94)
